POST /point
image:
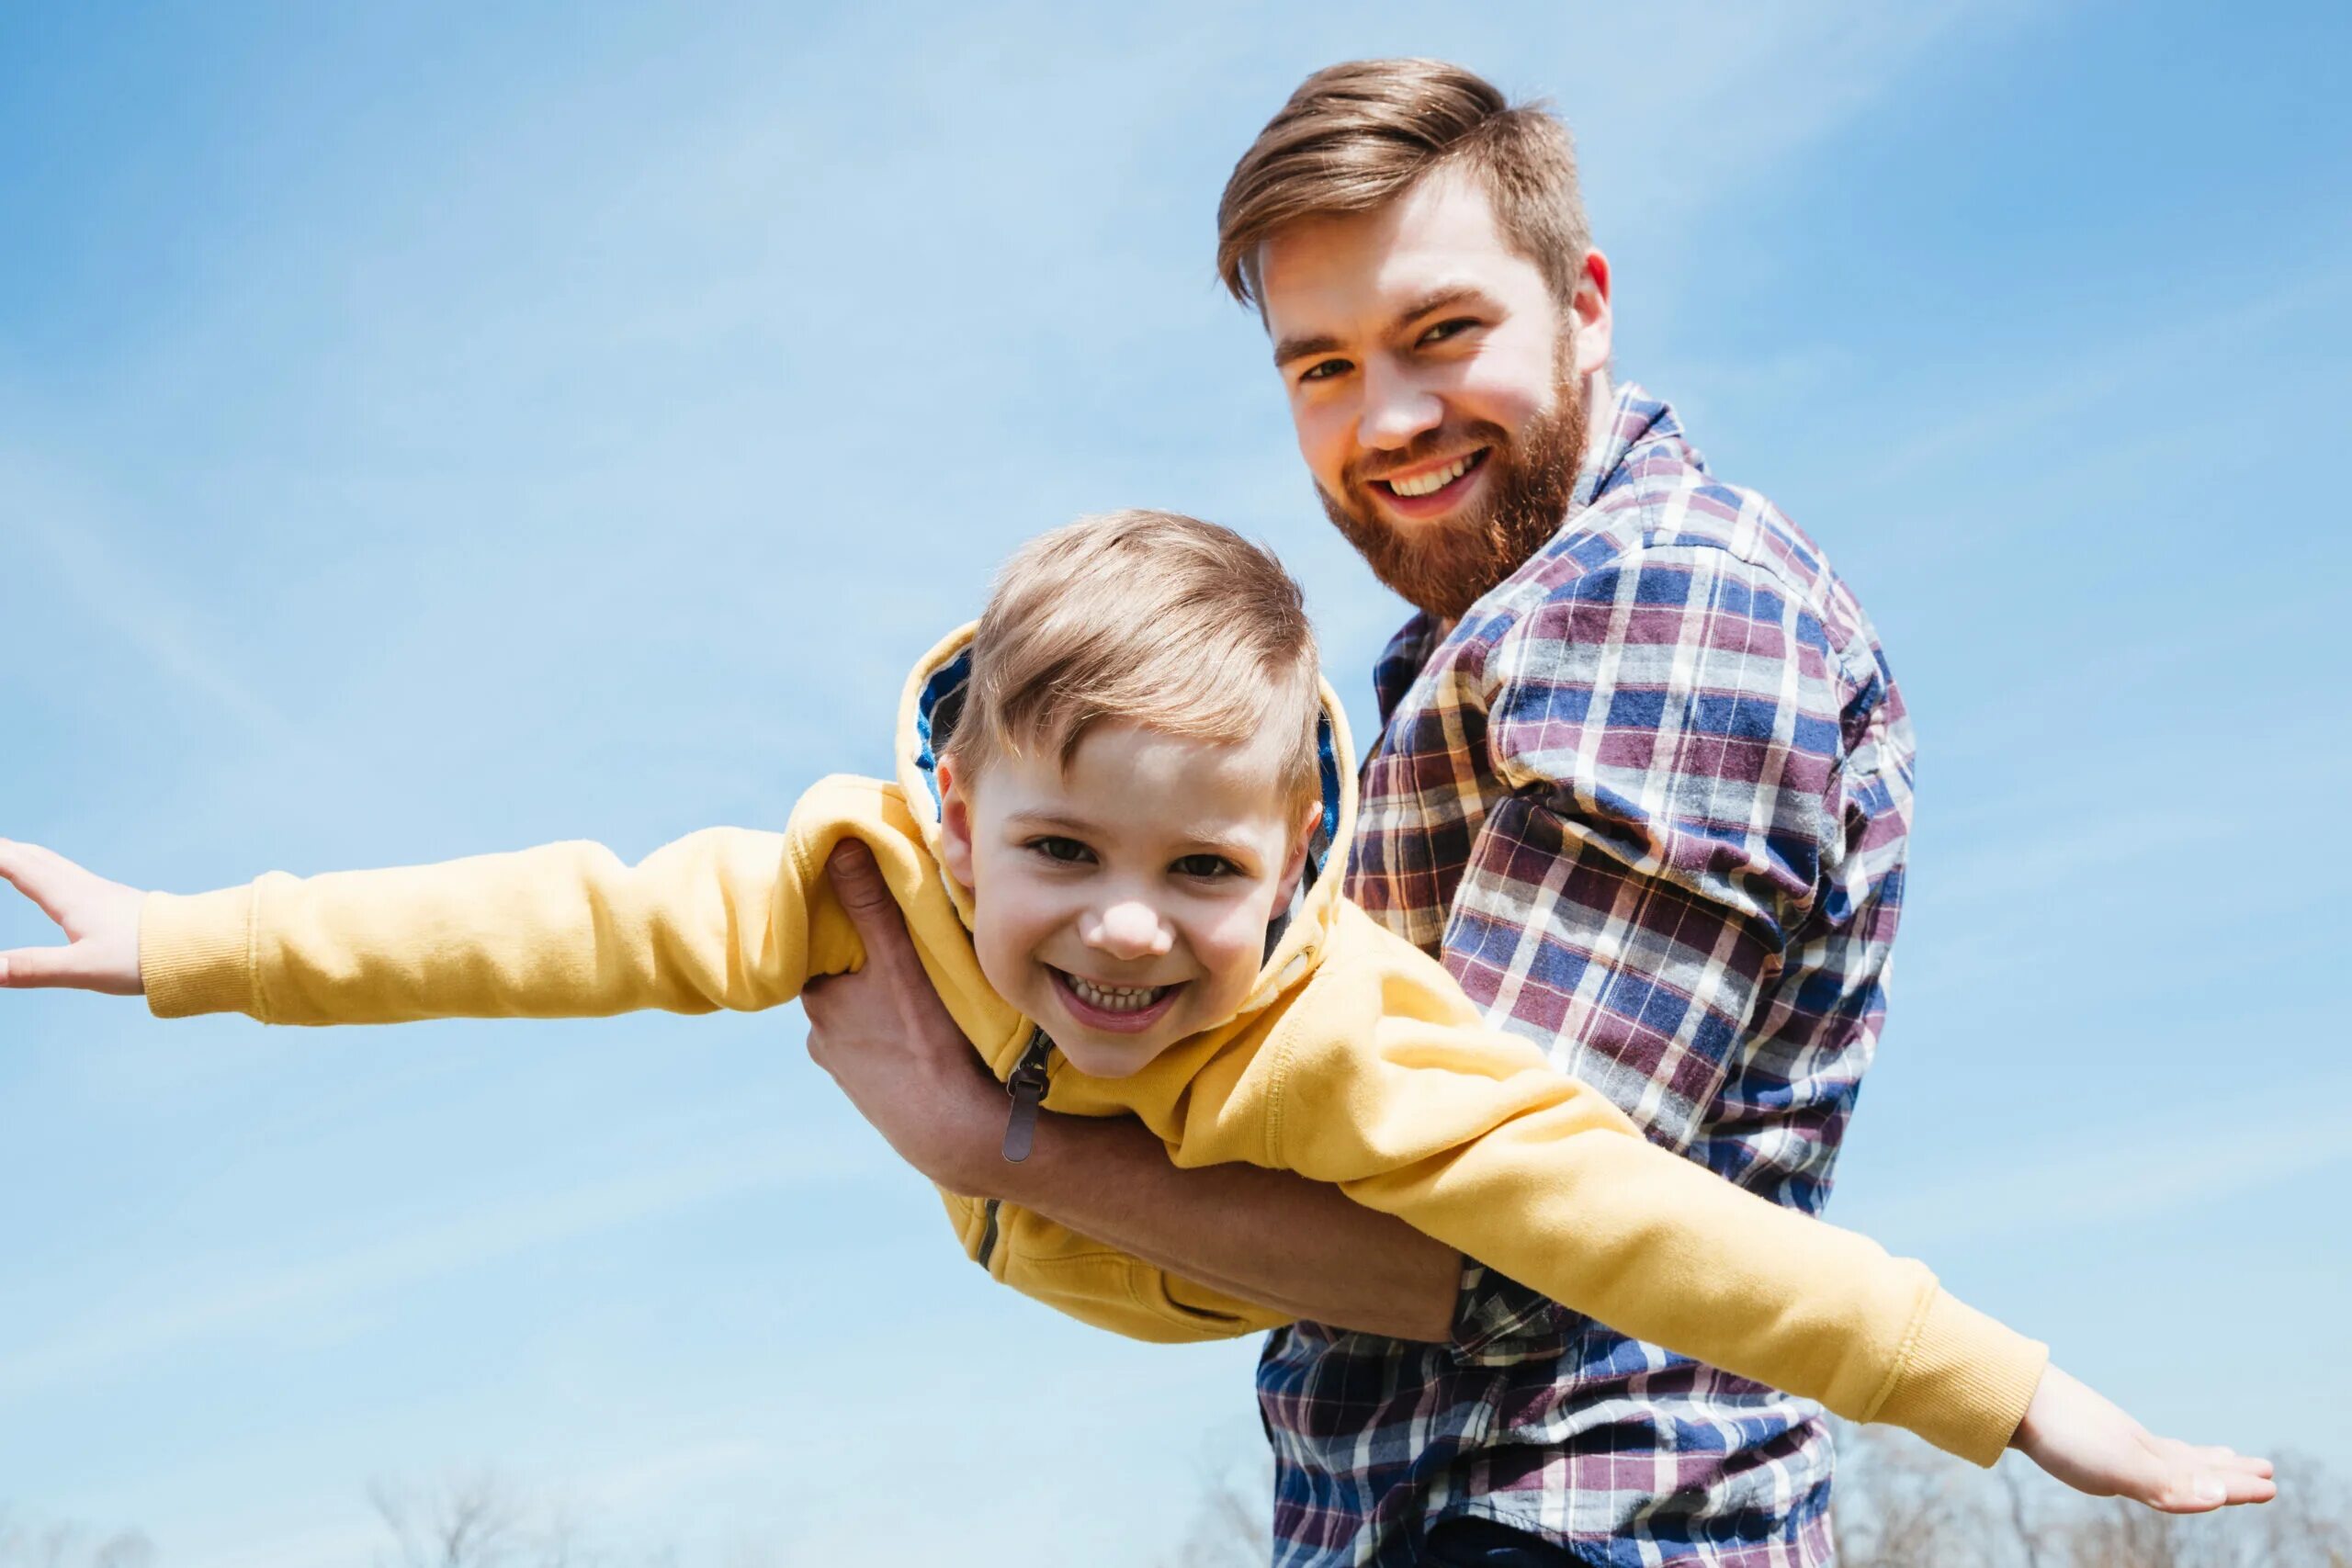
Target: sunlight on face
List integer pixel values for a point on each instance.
(1123, 903)
(1436, 386)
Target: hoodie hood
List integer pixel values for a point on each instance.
(933, 701)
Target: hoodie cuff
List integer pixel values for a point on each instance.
(1966, 1382)
(196, 953)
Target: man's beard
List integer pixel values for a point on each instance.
(1444, 565)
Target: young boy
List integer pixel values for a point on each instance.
(1115, 838)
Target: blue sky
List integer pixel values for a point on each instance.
(432, 431)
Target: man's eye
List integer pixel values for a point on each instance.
(1445, 330)
(1325, 370)
(1205, 866)
(1069, 851)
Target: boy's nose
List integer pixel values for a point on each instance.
(1129, 929)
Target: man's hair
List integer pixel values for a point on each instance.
(1358, 135)
(1149, 618)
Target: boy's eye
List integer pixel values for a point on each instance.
(1445, 330)
(1069, 851)
(1205, 866)
(1325, 370)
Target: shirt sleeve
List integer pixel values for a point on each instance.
(1667, 725)
(726, 918)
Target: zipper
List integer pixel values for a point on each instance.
(988, 1233)
(1026, 1088)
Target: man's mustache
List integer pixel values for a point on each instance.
(1445, 439)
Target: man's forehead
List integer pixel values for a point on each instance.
(1441, 233)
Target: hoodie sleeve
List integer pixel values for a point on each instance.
(1384, 1082)
(726, 918)
(1094, 1282)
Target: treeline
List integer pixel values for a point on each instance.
(1899, 1504)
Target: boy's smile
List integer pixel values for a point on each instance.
(1122, 902)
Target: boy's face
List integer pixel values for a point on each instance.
(1122, 903)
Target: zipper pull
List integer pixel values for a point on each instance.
(1027, 1088)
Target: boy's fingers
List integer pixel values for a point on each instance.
(2195, 1485)
(38, 873)
(33, 969)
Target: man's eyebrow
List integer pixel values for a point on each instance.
(1299, 347)
(1439, 299)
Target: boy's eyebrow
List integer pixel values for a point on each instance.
(1040, 817)
(1235, 846)
(1305, 343)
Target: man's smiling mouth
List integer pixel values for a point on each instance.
(1430, 481)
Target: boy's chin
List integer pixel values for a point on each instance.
(1110, 1058)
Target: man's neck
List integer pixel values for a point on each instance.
(1600, 411)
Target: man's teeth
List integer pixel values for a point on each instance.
(1435, 480)
(1115, 999)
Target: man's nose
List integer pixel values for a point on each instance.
(1128, 928)
(1398, 406)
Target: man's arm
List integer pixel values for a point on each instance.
(1292, 1245)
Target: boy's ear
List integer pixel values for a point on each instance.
(954, 826)
(1297, 861)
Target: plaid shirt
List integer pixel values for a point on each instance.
(1648, 802)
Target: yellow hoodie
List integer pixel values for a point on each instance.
(1355, 1060)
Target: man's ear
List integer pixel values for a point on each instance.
(1589, 315)
(954, 826)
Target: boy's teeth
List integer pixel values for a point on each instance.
(1115, 999)
(1435, 480)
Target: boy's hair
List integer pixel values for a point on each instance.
(1146, 617)
(1358, 135)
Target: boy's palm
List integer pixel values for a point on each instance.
(2086, 1442)
(100, 919)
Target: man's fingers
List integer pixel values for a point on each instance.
(865, 897)
(856, 879)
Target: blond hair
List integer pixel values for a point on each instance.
(1149, 618)
(1358, 135)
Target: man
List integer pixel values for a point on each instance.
(1643, 787)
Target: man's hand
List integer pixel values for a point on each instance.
(887, 1040)
(100, 919)
(2085, 1441)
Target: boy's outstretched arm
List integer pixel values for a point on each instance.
(2092, 1446)
(100, 919)
(721, 919)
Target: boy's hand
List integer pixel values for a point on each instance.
(2093, 1446)
(99, 918)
